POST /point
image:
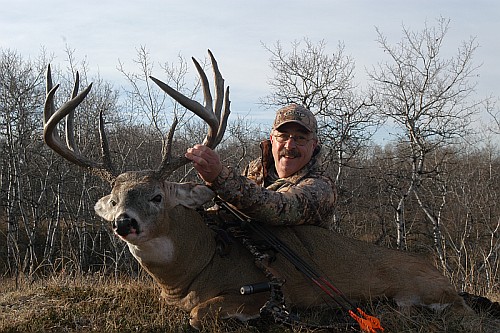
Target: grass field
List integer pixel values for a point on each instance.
(100, 304)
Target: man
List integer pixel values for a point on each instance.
(285, 185)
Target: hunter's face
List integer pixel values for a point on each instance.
(292, 147)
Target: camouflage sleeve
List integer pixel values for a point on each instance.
(311, 201)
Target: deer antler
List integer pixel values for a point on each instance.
(210, 113)
(70, 151)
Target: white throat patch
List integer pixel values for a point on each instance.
(157, 250)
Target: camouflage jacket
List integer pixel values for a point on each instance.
(307, 197)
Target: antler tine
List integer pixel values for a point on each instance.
(223, 120)
(221, 98)
(169, 164)
(105, 152)
(219, 86)
(70, 135)
(70, 150)
(49, 107)
(213, 126)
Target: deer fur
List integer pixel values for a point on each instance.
(173, 243)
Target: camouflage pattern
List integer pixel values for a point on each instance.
(307, 197)
(295, 113)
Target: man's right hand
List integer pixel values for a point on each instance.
(205, 161)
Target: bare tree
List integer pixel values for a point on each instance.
(21, 93)
(472, 232)
(427, 99)
(494, 112)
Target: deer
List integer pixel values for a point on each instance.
(161, 223)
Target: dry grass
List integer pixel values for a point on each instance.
(100, 304)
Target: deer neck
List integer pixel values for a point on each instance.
(180, 252)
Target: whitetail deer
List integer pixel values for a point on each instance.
(170, 239)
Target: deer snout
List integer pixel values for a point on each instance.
(124, 225)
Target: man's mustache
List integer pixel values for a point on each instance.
(289, 153)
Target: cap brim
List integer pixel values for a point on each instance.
(294, 121)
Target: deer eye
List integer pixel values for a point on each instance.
(157, 198)
(112, 203)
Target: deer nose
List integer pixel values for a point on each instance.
(124, 225)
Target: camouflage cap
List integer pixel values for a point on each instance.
(295, 113)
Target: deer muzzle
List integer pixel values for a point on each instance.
(124, 225)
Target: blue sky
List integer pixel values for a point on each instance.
(106, 31)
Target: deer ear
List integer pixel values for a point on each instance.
(192, 195)
(102, 208)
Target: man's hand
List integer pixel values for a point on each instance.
(205, 161)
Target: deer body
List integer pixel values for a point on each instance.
(173, 243)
